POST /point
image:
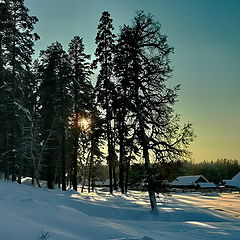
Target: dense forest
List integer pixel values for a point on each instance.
(214, 171)
(59, 127)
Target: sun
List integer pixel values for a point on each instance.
(84, 123)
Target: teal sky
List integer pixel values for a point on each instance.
(206, 61)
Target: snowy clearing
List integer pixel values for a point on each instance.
(27, 213)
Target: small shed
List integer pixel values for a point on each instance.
(188, 181)
(104, 183)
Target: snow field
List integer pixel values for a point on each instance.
(28, 212)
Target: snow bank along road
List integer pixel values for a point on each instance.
(27, 213)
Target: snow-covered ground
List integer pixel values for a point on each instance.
(28, 213)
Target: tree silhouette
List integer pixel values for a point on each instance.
(104, 85)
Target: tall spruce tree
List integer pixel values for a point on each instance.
(81, 89)
(16, 48)
(4, 27)
(33, 138)
(55, 107)
(104, 86)
(121, 105)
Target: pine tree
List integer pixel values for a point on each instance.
(104, 85)
(31, 102)
(4, 28)
(122, 106)
(5, 91)
(96, 142)
(16, 48)
(55, 102)
(81, 89)
(143, 71)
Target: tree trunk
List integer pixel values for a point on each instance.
(50, 169)
(144, 143)
(5, 139)
(151, 192)
(90, 168)
(32, 181)
(114, 179)
(63, 158)
(63, 133)
(121, 154)
(126, 175)
(19, 180)
(110, 149)
(85, 174)
(13, 121)
(13, 162)
(75, 152)
(20, 172)
(1, 62)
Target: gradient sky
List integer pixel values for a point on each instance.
(206, 61)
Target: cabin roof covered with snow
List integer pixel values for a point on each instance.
(236, 177)
(206, 185)
(189, 180)
(234, 182)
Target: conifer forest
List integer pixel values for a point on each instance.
(61, 124)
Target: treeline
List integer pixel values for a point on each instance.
(55, 124)
(214, 171)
